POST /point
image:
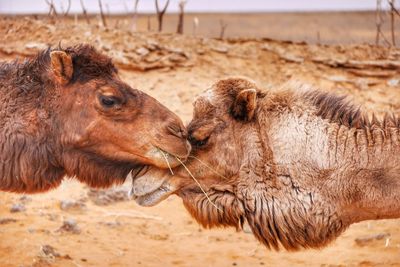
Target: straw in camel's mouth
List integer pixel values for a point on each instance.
(162, 158)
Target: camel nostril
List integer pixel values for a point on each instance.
(177, 131)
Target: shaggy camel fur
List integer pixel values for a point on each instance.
(66, 112)
(299, 166)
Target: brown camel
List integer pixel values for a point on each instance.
(66, 112)
(299, 166)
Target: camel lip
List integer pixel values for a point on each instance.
(151, 186)
(154, 197)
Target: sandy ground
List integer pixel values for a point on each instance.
(73, 226)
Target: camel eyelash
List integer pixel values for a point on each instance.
(198, 143)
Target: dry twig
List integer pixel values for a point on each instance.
(135, 16)
(379, 22)
(223, 25)
(52, 9)
(68, 9)
(182, 4)
(160, 14)
(195, 25)
(103, 18)
(84, 12)
(393, 12)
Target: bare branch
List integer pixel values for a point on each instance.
(396, 11)
(68, 8)
(392, 13)
(103, 18)
(182, 4)
(223, 25)
(195, 25)
(379, 22)
(148, 24)
(84, 11)
(52, 8)
(135, 15)
(160, 14)
(108, 9)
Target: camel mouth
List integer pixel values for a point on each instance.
(149, 188)
(154, 197)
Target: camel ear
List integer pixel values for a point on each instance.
(61, 66)
(245, 104)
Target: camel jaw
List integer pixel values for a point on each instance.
(150, 189)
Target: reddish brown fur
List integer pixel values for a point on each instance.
(53, 122)
(300, 172)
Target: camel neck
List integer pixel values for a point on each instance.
(366, 164)
(26, 165)
(357, 168)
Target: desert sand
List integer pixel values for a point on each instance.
(76, 226)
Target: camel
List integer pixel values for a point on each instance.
(66, 113)
(297, 165)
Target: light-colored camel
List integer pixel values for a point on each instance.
(66, 112)
(299, 166)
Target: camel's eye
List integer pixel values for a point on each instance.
(200, 136)
(200, 132)
(108, 101)
(196, 142)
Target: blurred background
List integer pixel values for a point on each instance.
(320, 21)
(174, 52)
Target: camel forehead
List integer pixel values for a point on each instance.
(206, 98)
(205, 103)
(208, 95)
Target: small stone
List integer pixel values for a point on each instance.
(176, 58)
(142, 51)
(111, 224)
(161, 237)
(200, 51)
(7, 220)
(19, 207)
(363, 241)
(393, 82)
(69, 225)
(68, 205)
(152, 45)
(107, 197)
(52, 216)
(25, 199)
(337, 78)
(34, 45)
(50, 251)
(220, 49)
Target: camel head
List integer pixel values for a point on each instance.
(104, 120)
(230, 178)
(89, 124)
